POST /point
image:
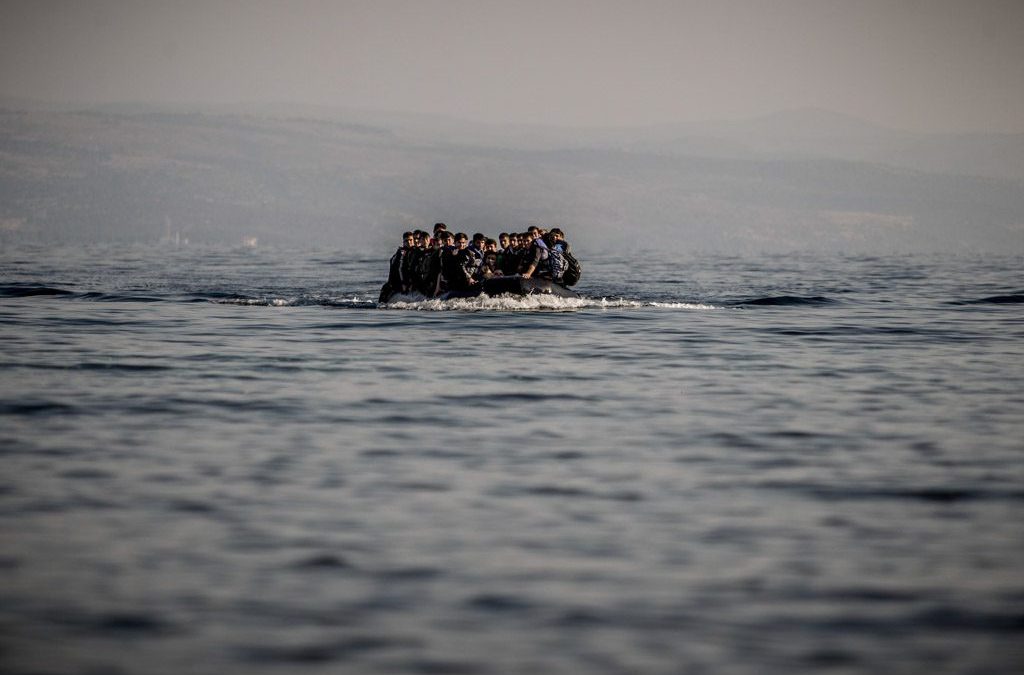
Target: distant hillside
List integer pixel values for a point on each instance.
(360, 179)
(820, 134)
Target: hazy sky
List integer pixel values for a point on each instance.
(913, 64)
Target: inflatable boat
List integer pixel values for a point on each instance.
(494, 286)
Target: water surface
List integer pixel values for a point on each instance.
(233, 461)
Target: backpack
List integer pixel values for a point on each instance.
(557, 264)
(572, 273)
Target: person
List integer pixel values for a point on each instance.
(568, 266)
(521, 241)
(397, 281)
(508, 259)
(458, 265)
(431, 265)
(536, 253)
(489, 246)
(556, 263)
(412, 266)
(397, 274)
(476, 249)
(557, 238)
(479, 241)
(537, 234)
(489, 268)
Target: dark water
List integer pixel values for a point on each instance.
(222, 461)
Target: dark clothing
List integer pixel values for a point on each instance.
(430, 264)
(534, 256)
(396, 275)
(508, 261)
(410, 267)
(457, 268)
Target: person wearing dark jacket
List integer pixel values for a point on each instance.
(430, 282)
(555, 266)
(508, 260)
(411, 264)
(535, 255)
(458, 265)
(397, 281)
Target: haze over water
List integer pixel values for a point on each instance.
(231, 461)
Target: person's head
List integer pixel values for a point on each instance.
(461, 240)
(533, 231)
(438, 227)
(491, 245)
(409, 239)
(549, 239)
(557, 234)
(504, 240)
(478, 240)
(491, 259)
(447, 238)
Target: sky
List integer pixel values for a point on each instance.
(918, 65)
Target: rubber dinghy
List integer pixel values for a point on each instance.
(505, 286)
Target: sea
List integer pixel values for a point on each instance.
(234, 461)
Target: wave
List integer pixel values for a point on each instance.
(503, 303)
(785, 301)
(95, 296)
(19, 290)
(26, 290)
(508, 303)
(937, 494)
(300, 301)
(529, 303)
(1008, 299)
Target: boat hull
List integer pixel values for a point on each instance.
(515, 285)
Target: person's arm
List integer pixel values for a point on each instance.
(535, 258)
(469, 268)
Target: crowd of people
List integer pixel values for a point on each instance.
(437, 263)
